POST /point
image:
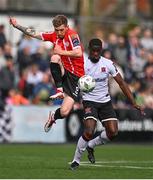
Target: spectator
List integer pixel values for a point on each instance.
(16, 98)
(7, 77)
(22, 84)
(148, 75)
(121, 52)
(135, 53)
(34, 77)
(2, 36)
(147, 40)
(39, 59)
(42, 90)
(2, 58)
(145, 97)
(149, 58)
(27, 41)
(112, 42)
(24, 59)
(8, 49)
(113, 86)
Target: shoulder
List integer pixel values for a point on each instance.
(72, 33)
(48, 34)
(107, 62)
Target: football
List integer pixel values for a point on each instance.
(86, 83)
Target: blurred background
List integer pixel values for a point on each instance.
(126, 29)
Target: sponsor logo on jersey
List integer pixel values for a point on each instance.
(75, 40)
(66, 44)
(99, 79)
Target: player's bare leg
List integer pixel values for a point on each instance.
(60, 113)
(66, 106)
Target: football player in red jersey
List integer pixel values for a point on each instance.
(67, 63)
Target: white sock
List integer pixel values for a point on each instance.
(81, 147)
(99, 140)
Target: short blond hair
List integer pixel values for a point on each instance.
(60, 20)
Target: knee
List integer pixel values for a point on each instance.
(55, 58)
(88, 134)
(65, 111)
(112, 133)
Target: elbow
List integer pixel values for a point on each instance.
(78, 53)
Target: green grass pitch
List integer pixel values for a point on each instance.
(50, 161)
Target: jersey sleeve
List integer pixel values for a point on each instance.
(47, 36)
(75, 40)
(113, 69)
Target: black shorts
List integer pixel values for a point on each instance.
(101, 111)
(70, 85)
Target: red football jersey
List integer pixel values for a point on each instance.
(71, 41)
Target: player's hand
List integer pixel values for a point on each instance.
(58, 50)
(141, 109)
(13, 21)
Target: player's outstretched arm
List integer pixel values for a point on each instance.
(73, 53)
(127, 92)
(25, 30)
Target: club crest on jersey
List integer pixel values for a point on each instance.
(103, 69)
(66, 44)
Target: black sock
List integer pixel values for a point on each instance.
(56, 73)
(57, 114)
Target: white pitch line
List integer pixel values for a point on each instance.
(109, 166)
(104, 164)
(118, 162)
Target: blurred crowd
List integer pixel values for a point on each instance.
(25, 77)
